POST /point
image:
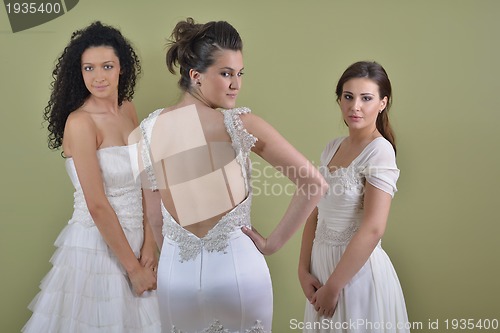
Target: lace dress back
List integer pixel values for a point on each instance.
(219, 282)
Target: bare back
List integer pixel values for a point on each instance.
(199, 176)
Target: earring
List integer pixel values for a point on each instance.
(198, 83)
(380, 111)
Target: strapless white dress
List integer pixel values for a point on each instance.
(87, 289)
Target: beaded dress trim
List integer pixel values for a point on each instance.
(325, 235)
(216, 327)
(146, 130)
(216, 240)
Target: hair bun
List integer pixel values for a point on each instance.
(193, 46)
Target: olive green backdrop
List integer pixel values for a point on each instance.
(442, 57)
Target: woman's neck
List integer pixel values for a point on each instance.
(190, 99)
(101, 105)
(363, 136)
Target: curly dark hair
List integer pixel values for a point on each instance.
(68, 88)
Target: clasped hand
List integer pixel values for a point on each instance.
(322, 297)
(144, 277)
(325, 301)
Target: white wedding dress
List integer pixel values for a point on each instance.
(87, 290)
(373, 300)
(220, 282)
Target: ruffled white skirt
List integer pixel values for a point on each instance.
(87, 289)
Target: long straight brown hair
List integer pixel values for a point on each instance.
(376, 73)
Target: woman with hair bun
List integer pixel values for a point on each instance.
(212, 275)
(103, 275)
(344, 272)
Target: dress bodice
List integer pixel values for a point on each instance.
(217, 238)
(122, 188)
(340, 210)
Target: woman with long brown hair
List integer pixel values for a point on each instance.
(344, 272)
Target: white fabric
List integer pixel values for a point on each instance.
(87, 289)
(232, 287)
(373, 300)
(221, 282)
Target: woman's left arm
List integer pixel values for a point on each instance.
(377, 204)
(149, 250)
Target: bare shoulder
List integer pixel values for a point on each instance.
(128, 108)
(80, 129)
(79, 121)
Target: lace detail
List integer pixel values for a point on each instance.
(122, 190)
(126, 202)
(350, 178)
(146, 131)
(257, 328)
(325, 235)
(216, 327)
(216, 240)
(242, 141)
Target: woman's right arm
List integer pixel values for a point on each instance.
(80, 136)
(308, 282)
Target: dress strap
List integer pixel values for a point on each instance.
(242, 141)
(146, 131)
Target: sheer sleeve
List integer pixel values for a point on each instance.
(379, 167)
(242, 140)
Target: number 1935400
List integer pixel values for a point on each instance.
(33, 8)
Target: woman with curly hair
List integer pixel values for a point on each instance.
(104, 268)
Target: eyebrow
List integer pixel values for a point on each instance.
(232, 69)
(91, 63)
(362, 94)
